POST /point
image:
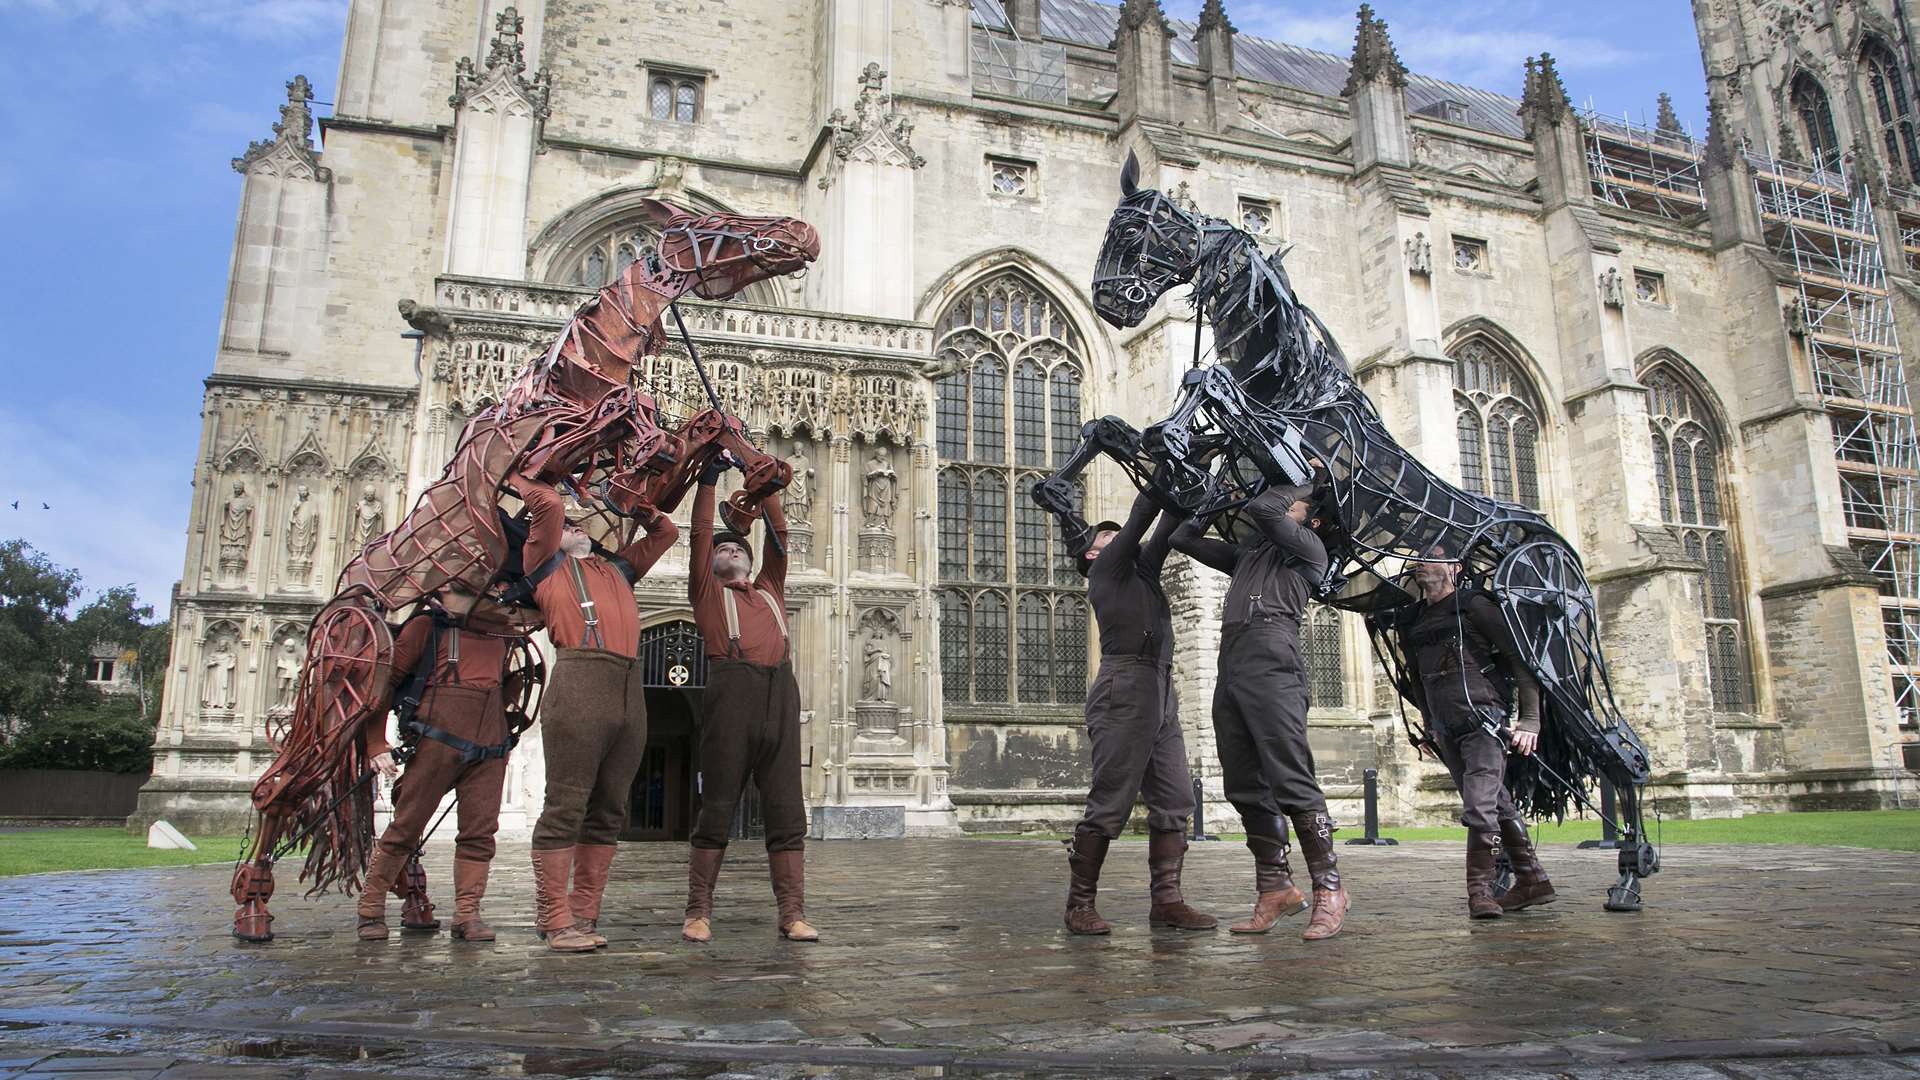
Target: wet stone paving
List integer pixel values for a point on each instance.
(948, 958)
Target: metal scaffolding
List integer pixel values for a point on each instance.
(1643, 168)
(1007, 66)
(1822, 223)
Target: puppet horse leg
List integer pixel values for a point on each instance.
(416, 909)
(253, 884)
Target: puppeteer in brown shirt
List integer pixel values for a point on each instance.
(466, 658)
(608, 588)
(761, 639)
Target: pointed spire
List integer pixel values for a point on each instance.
(294, 131)
(506, 61)
(1137, 13)
(1545, 99)
(1719, 137)
(1668, 121)
(1213, 16)
(1373, 55)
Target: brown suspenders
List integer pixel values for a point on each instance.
(593, 640)
(733, 620)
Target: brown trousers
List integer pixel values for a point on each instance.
(594, 729)
(1133, 722)
(476, 716)
(750, 727)
(1260, 722)
(1478, 763)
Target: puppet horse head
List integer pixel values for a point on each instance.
(720, 254)
(1151, 246)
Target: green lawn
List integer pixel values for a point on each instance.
(36, 851)
(1890, 830)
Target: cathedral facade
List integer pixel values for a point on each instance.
(1683, 348)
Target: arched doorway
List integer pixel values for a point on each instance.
(666, 795)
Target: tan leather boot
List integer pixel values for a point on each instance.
(1166, 853)
(1084, 857)
(1530, 884)
(469, 885)
(1278, 896)
(703, 869)
(1482, 849)
(1315, 830)
(552, 918)
(382, 868)
(789, 872)
(591, 863)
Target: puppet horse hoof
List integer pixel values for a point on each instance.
(253, 922)
(1638, 861)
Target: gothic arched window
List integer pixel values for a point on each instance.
(1498, 415)
(1809, 102)
(1321, 651)
(1689, 462)
(599, 256)
(1887, 97)
(1012, 606)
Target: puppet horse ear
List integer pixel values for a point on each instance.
(1130, 175)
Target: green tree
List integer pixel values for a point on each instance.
(117, 617)
(106, 733)
(37, 660)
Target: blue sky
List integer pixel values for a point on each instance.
(117, 122)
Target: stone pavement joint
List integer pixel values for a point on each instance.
(947, 957)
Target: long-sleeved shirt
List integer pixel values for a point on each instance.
(1123, 585)
(1437, 636)
(464, 658)
(761, 641)
(606, 586)
(1272, 572)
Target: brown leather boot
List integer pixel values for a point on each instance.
(416, 909)
(591, 862)
(552, 918)
(1166, 853)
(1530, 884)
(1482, 849)
(1315, 830)
(252, 888)
(469, 885)
(789, 872)
(703, 869)
(1084, 857)
(1278, 896)
(371, 910)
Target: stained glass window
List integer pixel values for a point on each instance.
(1498, 417)
(1321, 651)
(1809, 102)
(1687, 452)
(1011, 400)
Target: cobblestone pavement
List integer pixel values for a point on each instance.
(947, 957)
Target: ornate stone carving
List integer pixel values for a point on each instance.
(1544, 99)
(1613, 290)
(1374, 58)
(798, 498)
(286, 671)
(885, 406)
(502, 85)
(369, 518)
(1419, 255)
(290, 152)
(799, 397)
(882, 491)
(303, 536)
(236, 532)
(482, 370)
(216, 686)
(884, 138)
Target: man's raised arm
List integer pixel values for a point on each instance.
(1268, 512)
(773, 552)
(1191, 539)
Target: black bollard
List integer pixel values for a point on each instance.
(1609, 838)
(1371, 788)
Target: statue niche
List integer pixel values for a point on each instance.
(879, 498)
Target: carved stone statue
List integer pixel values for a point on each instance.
(797, 499)
(1613, 292)
(878, 664)
(369, 520)
(217, 691)
(303, 534)
(286, 673)
(883, 490)
(1420, 255)
(236, 530)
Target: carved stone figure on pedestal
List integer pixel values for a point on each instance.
(369, 520)
(217, 691)
(286, 673)
(878, 499)
(303, 535)
(797, 500)
(236, 532)
(878, 664)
